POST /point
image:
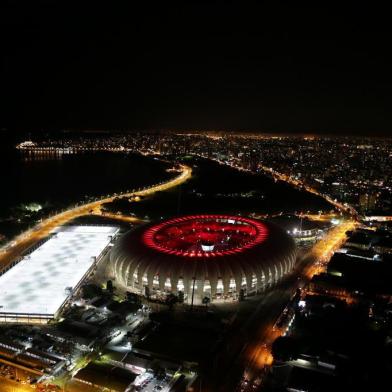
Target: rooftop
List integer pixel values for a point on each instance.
(39, 284)
(106, 376)
(203, 235)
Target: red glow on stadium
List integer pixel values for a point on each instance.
(205, 235)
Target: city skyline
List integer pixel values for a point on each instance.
(196, 196)
(188, 243)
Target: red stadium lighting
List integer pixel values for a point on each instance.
(205, 235)
(221, 255)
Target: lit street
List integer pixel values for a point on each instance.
(258, 332)
(43, 229)
(196, 197)
(12, 386)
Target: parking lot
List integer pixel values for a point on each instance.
(149, 383)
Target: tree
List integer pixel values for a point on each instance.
(147, 292)
(133, 298)
(242, 295)
(171, 300)
(90, 291)
(181, 297)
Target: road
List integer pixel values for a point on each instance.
(259, 332)
(378, 218)
(73, 386)
(7, 385)
(343, 207)
(43, 229)
(30, 237)
(119, 217)
(250, 347)
(299, 184)
(314, 262)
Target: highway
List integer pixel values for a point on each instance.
(343, 207)
(257, 333)
(27, 239)
(250, 352)
(299, 184)
(24, 241)
(258, 353)
(7, 385)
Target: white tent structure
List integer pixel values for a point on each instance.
(36, 288)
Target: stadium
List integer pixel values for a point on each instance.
(214, 256)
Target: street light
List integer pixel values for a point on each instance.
(193, 291)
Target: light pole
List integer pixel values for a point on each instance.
(193, 292)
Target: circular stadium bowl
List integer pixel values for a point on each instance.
(214, 256)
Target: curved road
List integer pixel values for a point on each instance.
(298, 184)
(24, 241)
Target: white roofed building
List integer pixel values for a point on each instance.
(36, 288)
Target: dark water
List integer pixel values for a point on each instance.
(55, 182)
(220, 189)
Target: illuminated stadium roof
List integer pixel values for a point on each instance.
(205, 235)
(218, 254)
(38, 284)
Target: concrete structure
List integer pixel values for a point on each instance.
(37, 287)
(211, 256)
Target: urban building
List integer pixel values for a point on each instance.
(213, 256)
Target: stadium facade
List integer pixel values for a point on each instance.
(214, 256)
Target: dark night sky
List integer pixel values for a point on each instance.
(203, 64)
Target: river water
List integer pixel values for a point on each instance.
(34, 186)
(48, 183)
